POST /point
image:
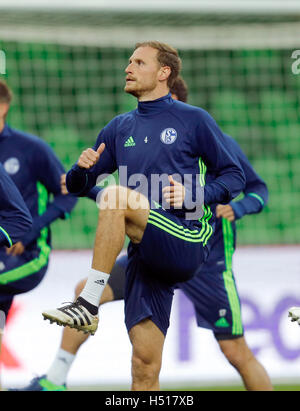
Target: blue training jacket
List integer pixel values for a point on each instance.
(164, 137)
(15, 219)
(255, 198)
(36, 171)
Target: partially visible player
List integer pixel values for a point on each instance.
(212, 291)
(15, 219)
(36, 171)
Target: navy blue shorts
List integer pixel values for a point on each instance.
(145, 296)
(173, 248)
(170, 252)
(12, 267)
(216, 303)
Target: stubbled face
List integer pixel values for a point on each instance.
(143, 72)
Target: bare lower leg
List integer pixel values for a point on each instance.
(110, 237)
(147, 341)
(120, 214)
(253, 374)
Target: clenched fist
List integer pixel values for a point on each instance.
(63, 184)
(16, 249)
(225, 211)
(174, 194)
(90, 157)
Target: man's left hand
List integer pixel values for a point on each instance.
(16, 249)
(63, 184)
(225, 211)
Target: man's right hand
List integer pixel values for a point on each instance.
(90, 157)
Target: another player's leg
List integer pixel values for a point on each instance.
(9, 289)
(5, 304)
(239, 355)
(232, 341)
(56, 377)
(147, 344)
(217, 307)
(120, 213)
(72, 340)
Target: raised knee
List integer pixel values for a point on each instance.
(114, 198)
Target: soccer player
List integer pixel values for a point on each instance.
(207, 290)
(36, 171)
(160, 137)
(15, 219)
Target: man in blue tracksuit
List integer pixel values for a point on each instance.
(36, 171)
(162, 137)
(212, 291)
(15, 219)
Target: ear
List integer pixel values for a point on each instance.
(164, 73)
(4, 107)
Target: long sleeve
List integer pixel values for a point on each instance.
(248, 205)
(59, 208)
(49, 171)
(229, 178)
(80, 181)
(255, 191)
(93, 194)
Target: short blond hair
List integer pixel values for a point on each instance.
(166, 56)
